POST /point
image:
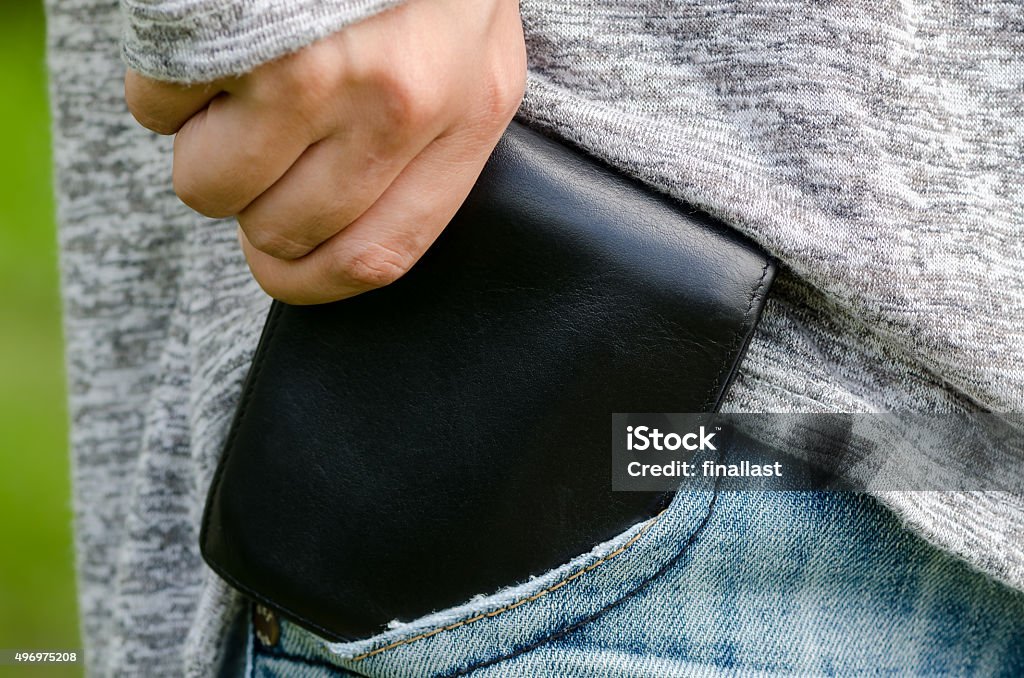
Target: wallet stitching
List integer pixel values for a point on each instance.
(527, 599)
(737, 339)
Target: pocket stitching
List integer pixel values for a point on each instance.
(527, 599)
(691, 539)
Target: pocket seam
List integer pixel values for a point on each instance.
(684, 550)
(526, 599)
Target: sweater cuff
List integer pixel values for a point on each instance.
(193, 41)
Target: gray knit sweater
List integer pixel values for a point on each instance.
(877, 149)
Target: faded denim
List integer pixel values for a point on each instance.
(727, 583)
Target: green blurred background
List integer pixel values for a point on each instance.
(37, 600)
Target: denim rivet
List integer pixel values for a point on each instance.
(265, 625)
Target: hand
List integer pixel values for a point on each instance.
(344, 161)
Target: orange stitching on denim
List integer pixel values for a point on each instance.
(528, 599)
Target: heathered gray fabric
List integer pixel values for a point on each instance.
(198, 40)
(877, 149)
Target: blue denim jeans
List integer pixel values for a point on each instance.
(728, 583)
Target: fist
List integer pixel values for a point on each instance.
(344, 161)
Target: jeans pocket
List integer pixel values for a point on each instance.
(494, 626)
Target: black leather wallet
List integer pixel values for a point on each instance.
(448, 435)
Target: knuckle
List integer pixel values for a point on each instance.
(140, 109)
(187, 189)
(197, 193)
(317, 63)
(376, 265)
(272, 242)
(503, 93)
(409, 101)
(306, 83)
(152, 123)
(201, 183)
(274, 286)
(271, 278)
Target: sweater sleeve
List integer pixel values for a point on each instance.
(199, 40)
